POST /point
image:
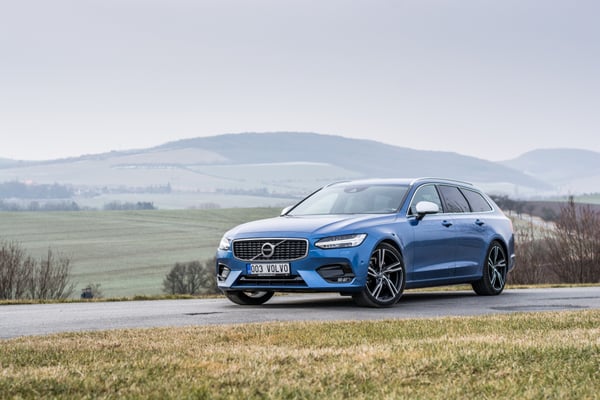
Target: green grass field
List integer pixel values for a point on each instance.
(518, 356)
(127, 252)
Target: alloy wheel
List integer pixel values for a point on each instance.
(497, 267)
(494, 272)
(385, 278)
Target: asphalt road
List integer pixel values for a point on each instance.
(42, 319)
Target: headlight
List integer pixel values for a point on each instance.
(337, 242)
(225, 243)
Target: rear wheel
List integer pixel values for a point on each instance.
(249, 297)
(385, 278)
(494, 272)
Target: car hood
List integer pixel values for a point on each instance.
(300, 226)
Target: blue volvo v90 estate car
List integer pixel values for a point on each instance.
(371, 239)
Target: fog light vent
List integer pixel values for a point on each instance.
(337, 273)
(223, 272)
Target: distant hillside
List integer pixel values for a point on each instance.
(262, 169)
(572, 170)
(366, 157)
(5, 162)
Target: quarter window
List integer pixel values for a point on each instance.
(476, 201)
(455, 201)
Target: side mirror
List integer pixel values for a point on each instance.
(426, 207)
(285, 210)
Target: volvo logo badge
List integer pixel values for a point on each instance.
(267, 250)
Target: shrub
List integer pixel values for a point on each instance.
(568, 253)
(532, 258)
(92, 291)
(191, 278)
(574, 246)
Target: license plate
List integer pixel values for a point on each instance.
(268, 269)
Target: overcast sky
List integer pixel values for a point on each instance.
(490, 79)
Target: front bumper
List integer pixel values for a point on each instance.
(336, 270)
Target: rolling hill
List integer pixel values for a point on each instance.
(266, 169)
(570, 170)
(6, 162)
(366, 157)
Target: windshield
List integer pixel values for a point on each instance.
(353, 199)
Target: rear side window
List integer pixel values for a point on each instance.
(454, 199)
(476, 201)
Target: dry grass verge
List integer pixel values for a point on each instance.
(533, 355)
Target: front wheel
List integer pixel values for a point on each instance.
(494, 272)
(386, 278)
(249, 297)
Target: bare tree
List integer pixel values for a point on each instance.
(532, 258)
(195, 277)
(51, 278)
(174, 282)
(16, 270)
(21, 276)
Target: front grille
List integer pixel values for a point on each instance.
(270, 249)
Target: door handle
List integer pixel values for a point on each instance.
(479, 222)
(447, 223)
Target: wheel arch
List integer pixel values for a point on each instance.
(499, 239)
(393, 243)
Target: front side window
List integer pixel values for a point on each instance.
(425, 193)
(352, 199)
(455, 201)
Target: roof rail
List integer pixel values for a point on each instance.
(336, 182)
(440, 179)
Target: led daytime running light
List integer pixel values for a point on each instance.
(338, 242)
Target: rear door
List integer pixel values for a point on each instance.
(476, 231)
(469, 228)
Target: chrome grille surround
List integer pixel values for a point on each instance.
(276, 249)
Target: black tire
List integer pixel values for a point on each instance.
(249, 297)
(386, 278)
(495, 269)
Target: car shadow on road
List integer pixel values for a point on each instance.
(336, 301)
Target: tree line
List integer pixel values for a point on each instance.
(35, 205)
(20, 190)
